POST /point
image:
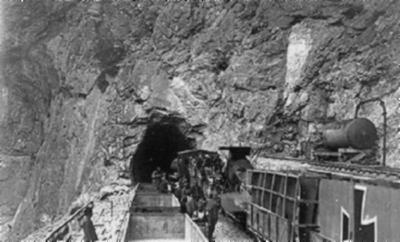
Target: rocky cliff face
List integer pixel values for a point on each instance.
(82, 80)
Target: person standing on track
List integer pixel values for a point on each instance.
(191, 205)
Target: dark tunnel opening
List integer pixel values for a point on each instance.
(159, 147)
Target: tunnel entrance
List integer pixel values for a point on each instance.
(159, 147)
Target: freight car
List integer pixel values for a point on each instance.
(155, 216)
(201, 167)
(205, 166)
(324, 204)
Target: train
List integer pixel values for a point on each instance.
(339, 197)
(326, 201)
(207, 168)
(325, 204)
(201, 167)
(149, 216)
(155, 216)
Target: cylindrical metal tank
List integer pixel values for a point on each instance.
(359, 133)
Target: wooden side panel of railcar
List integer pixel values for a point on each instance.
(335, 203)
(155, 216)
(383, 204)
(283, 205)
(358, 212)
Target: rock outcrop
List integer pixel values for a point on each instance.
(81, 80)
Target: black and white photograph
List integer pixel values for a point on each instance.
(200, 120)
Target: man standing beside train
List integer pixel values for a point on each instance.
(212, 210)
(156, 177)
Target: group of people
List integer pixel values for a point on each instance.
(200, 203)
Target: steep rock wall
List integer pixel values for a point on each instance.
(80, 81)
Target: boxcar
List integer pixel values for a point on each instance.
(323, 206)
(359, 209)
(283, 205)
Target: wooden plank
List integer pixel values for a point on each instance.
(254, 218)
(261, 226)
(289, 198)
(266, 226)
(270, 197)
(283, 233)
(295, 211)
(292, 173)
(261, 222)
(263, 190)
(273, 228)
(260, 179)
(285, 197)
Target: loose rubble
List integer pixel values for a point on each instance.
(227, 231)
(109, 213)
(111, 204)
